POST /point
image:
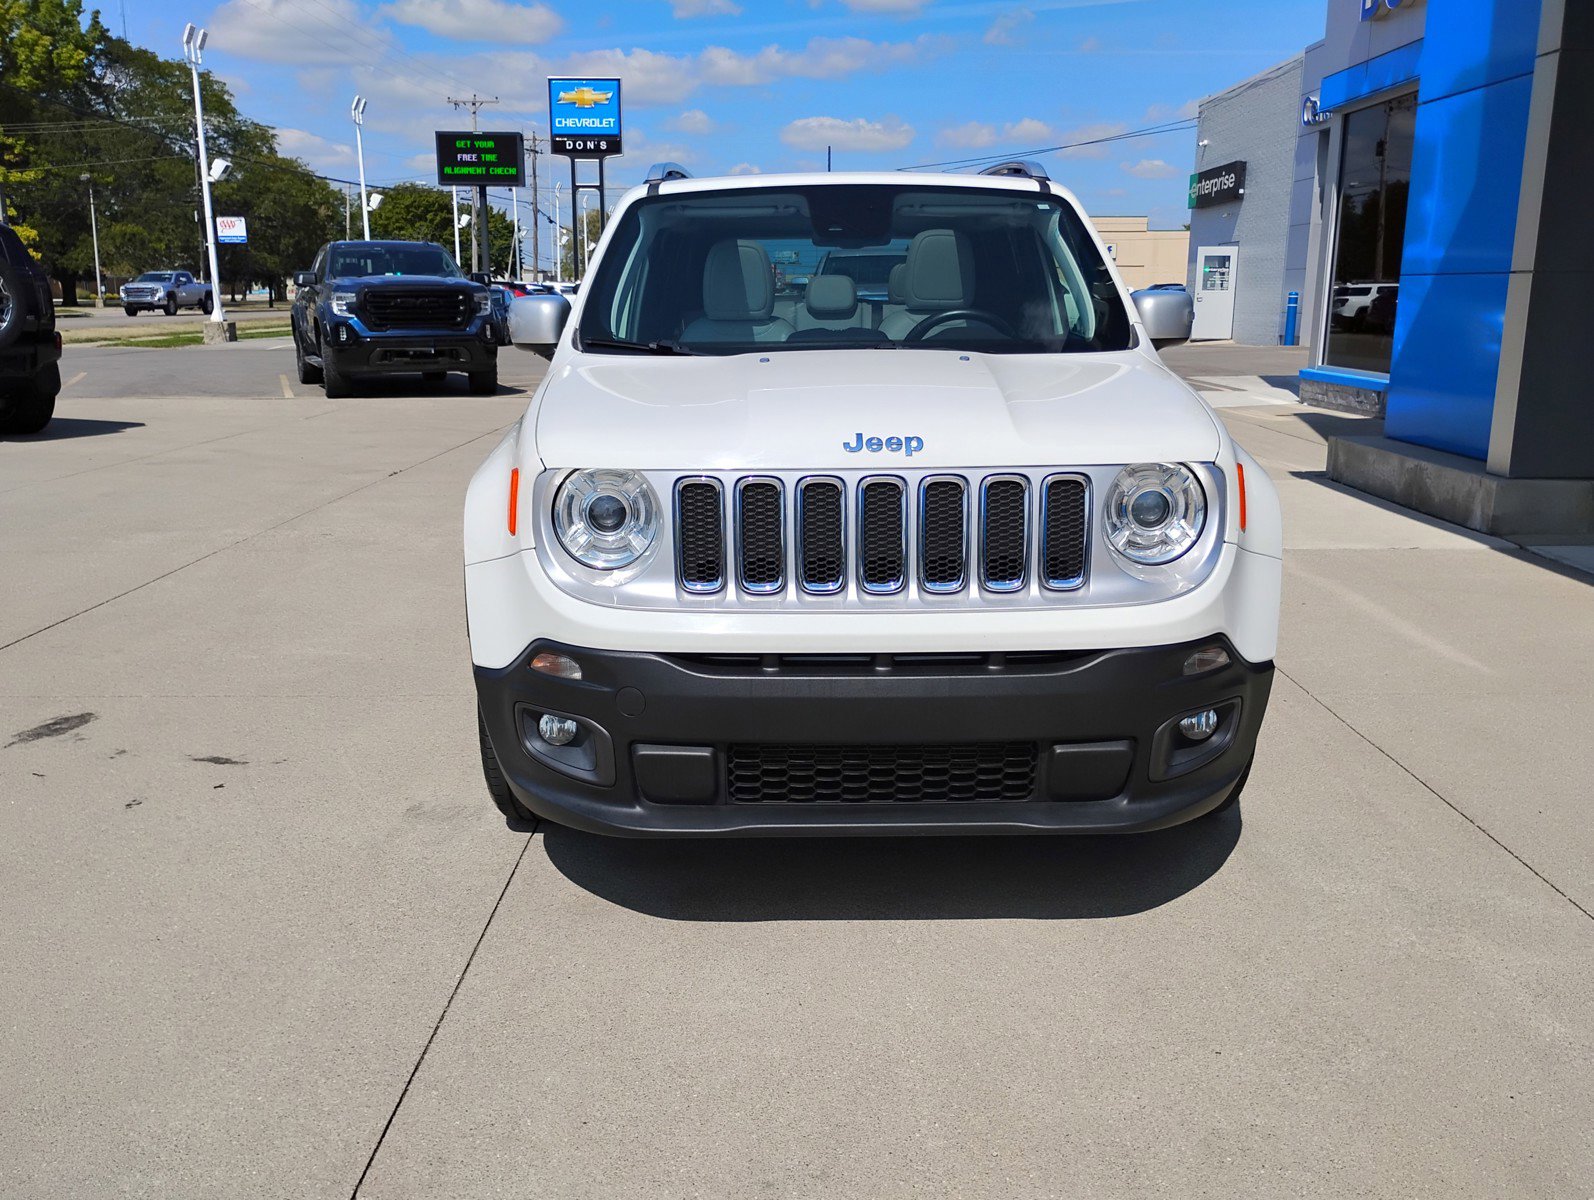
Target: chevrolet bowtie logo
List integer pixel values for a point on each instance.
(585, 97)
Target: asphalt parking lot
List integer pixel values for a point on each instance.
(262, 934)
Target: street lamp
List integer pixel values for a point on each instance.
(193, 47)
(458, 225)
(558, 231)
(94, 227)
(581, 224)
(357, 111)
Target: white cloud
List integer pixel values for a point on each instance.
(335, 32)
(478, 20)
(816, 133)
(1004, 30)
(1091, 45)
(745, 169)
(821, 58)
(314, 149)
(1027, 130)
(705, 8)
(1152, 168)
(693, 120)
(971, 135)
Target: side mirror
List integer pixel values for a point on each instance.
(1168, 316)
(536, 322)
(303, 278)
(480, 277)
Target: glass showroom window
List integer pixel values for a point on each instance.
(1374, 183)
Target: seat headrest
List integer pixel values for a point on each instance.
(940, 271)
(832, 297)
(897, 284)
(737, 284)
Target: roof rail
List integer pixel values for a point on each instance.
(663, 172)
(1025, 167)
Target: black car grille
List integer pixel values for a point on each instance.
(388, 308)
(794, 774)
(952, 540)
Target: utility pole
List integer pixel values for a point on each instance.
(480, 248)
(536, 215)
(94, 228)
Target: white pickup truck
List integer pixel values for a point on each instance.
(961, 555)
(167, 291)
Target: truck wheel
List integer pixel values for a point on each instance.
(497, 785)
(171, 306)
(208, 304)
(307, 372)
(334, 382)
(13, 305)
(34, 402)
(484, 383)
(130, 310)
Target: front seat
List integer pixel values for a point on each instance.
(938, 276)
(738, 297)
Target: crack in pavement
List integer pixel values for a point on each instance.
(250, 537)
(447, 1004)
(1435, 793)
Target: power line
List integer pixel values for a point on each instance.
(1128, 135)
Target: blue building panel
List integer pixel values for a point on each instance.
(1448, 331)
(1344, 88)
(1475, 43)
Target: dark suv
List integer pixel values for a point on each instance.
(380, 308)
(30, 348)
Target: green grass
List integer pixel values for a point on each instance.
(191, 338)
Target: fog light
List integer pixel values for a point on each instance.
(1209, 659)
(1197, 728)
(560, 665)
(561, 731)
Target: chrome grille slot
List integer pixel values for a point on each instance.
(943, 534)
(882, 536)
(822, 535)
(1064, 532)
(761, 535)
(1004, 533)
(700, 535)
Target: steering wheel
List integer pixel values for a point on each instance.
(935, 320)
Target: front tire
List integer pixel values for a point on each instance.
(335, 381)
(130, 310)
(497, 785)
(171, 306)
(34, 403)
(208, 304)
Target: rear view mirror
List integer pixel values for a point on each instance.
(1168, 316)
(536, 322)
(303, 278)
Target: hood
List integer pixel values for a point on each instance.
(438, 281)
(818, 410)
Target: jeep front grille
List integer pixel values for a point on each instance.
(881, 535)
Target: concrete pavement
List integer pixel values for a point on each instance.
(262, 934)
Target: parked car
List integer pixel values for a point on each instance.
(1350, 302)
(166, 291)
(30, 346)
(729, 575)
(379, 308)
(1380, 316)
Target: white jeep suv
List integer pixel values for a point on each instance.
(961, 557)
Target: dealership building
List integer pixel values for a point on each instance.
(1418, 180)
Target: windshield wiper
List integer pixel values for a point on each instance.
(659, 347)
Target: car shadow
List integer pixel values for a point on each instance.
(61, 428)
(895, 879)
(405, 386)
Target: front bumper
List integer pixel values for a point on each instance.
(660, 732)
(375, 353)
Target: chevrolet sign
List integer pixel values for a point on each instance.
(584, 117)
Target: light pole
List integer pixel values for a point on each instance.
(514, 204)
(455, 193)
(558, 238)
(193, 47)
(357, 111)
(94, 228)
(581, 224)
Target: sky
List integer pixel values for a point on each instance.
(744, 86)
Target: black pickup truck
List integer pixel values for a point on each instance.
(380, 308)
(30, 348)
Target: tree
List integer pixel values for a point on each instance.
(418, 213)
(572, 267)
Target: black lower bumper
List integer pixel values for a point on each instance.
(395, 355)
(701, 745)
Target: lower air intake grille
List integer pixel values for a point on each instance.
(780, 774)
(1004, 550)
(763, 542)
(1063, 524)
(701, 525)
(822, 539)
(881, 536)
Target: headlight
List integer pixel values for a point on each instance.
(1155, 512)
(606, 519)
(484, 304)
(343, 303)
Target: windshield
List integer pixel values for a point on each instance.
(154, 277)
(842, 266)
(398, 258)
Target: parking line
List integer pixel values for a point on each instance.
(78, 378)
(287, 392)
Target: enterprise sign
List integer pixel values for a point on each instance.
(1220, 185)
(467, 159)
(584, 117)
